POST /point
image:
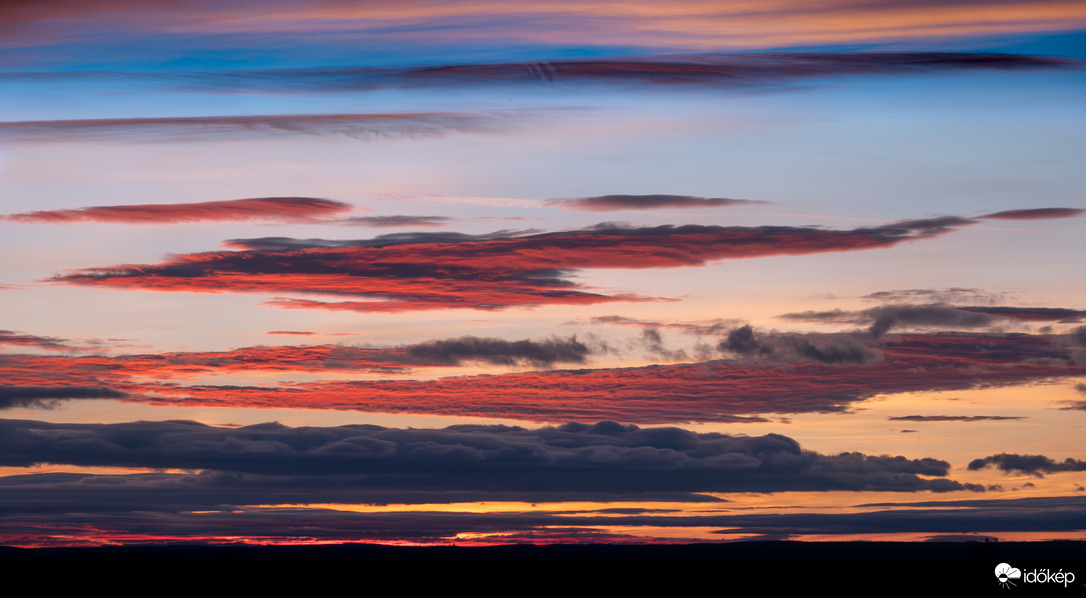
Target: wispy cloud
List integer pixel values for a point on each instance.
(361, 127)
(1035, 214)
(612, 203)
(289, 209)
(954, 418)
(396, 221)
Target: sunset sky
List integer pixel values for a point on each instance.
(478, 272)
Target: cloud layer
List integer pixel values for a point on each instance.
(603, 457)
(420, 273)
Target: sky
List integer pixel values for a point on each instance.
(473, 273)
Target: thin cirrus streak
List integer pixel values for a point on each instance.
(290, 209)
(487, 274)
(612, 203)
(882, 319)
(728, 390)
(361, 127)
(1035, 214)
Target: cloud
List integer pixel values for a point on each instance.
(952, 295)
(1030, 464)
(702, 328)
(418, 271)
(611, 203)
(257, 208)
(573, 457)
(9, 337)
(953, 418)
(887, 317)
(502, 352)
(396, 221)
(726, 390)
(1030, 314)
(290, 333)
(827, 349)
(361, 127)
(48, 397)
(1035, 214)
(389, 239)
(698, 70)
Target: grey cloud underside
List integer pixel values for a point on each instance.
(951, 295)
(829, 349)
(502, 352)
(604, 457)
(48, 397)
(409, 238)
(395, 221)
(887, 317)
(1029, 464)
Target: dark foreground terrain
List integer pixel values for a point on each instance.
(761, 566)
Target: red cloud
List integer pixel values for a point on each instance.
(710, 391)
(493, 273)
(257, 208)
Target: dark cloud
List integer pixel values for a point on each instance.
(741, 341)
(709, 70)
(386, 240)
(953, 418)
(502, 352)
(611, 203)
(417, 271)
(362, 127)
(1031, 464)
(702, 328)
(290, 332)
(602, 457)
(49, 397)
(1035, 214)
(1078, 336)
(396, 221)
(1030, 314)
(952, 295)
(257, 208)
(820, 348)
(9, 337)
(653, 342)
(887, 317)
